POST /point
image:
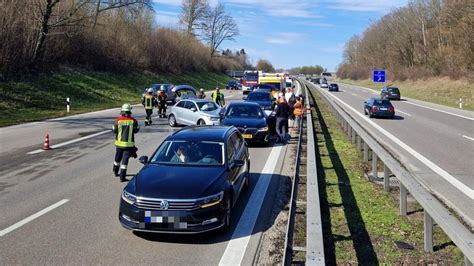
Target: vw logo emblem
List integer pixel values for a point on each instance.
(164, 205)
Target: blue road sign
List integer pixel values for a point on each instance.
(378, 76)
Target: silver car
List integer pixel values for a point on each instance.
(194, 112)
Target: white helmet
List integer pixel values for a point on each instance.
(150, 90)
(126, 107)
(162, 88)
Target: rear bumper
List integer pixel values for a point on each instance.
(383, 114)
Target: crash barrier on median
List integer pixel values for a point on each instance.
(314, 232)
(434, 210)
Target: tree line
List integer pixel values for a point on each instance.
(425, 38)
(111, 35)
(307, 70)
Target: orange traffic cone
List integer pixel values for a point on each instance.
(46, 143)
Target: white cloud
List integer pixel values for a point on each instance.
(333, 49)
(366, 5)
(167, 19)
(168, 2)
(285, 38)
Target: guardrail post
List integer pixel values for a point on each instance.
(354, 135)
(403, 200)
(359, 143)
(374, 165)
(467, 262)
(366, 152)
(386, 178)
(428, 225)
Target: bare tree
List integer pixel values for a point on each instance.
(217, 27)
(192, 13)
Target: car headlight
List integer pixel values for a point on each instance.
(211, 200)
(263, 129)
(214, 118)
(129, 198)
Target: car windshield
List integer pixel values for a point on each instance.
(245, 111)
(185, 92)
(207, 106)
(384, 103)
(259, 97)
(190, 153)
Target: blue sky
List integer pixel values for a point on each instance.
(292, 33)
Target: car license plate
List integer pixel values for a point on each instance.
(383, 109)
(247, 136)
(163, 217)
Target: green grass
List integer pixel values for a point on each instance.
(360, 220)
(442, 91)
(45, 96)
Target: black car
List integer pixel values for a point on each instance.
(190, 183)
(379, 107)
(249, 118)
(333, 87)
(263, 97)
(391, 93)
(232, 85)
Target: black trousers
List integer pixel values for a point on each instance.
(148, 112)
(162, 109)
(122, 156)
(282, 127)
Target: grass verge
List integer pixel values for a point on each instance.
(361, 221)
(442, 91)
(45, 96)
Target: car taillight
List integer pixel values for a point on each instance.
(244, 82)
(392, 110)
(375, 108)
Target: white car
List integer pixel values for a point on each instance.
(324, 85)
(194, 112)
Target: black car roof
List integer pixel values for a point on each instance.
(203, 133)
(260, 91)
(245, 104)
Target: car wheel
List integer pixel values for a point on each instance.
(227, 216)
(172, 121)
(370, 115)
(201, 122)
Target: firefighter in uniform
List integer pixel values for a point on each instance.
(218, 97)
(125, 127)
(148, 102)
(162, 102)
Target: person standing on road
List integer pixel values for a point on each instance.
(290, 98)
(298, 111)
(201, 94)
(162, 98)
(125, 128)
(148, 102)
(218, 97)
(282, 112)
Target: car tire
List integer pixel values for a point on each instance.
(370, 115)
(172, 121)
(227, 217)
(201, 122)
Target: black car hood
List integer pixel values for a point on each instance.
(262, 103)
(179, 182)
(245, 122)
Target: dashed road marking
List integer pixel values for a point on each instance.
(32, 217)
(404, 113)
(468, 137)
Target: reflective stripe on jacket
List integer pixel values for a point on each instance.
(148, 102)
(125, 128)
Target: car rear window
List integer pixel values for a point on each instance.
(393, 90)
(382, 103)
(259, 97)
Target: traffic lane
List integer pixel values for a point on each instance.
(461, 125)
(434, 181)
(84, 229)
(436, 140)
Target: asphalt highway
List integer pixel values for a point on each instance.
(435, 142)
(61, 206)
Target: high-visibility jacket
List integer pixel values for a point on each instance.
(125, 128)
(298, 109)
(218, 98)
(149, 101)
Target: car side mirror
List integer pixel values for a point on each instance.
(244, 98)
(238, 163)
(365, 102)
(143, 159)
(193, 109)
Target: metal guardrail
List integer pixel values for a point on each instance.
(314, 231)
(434, 210)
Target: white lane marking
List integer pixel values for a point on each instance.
(446, 112)
(451, 179)
(72, 141)
(32, 217)
(235, 250)
(468, 137)
(403, 112)
(354, 94)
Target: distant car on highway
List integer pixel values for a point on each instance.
(266, 87)
(391, 93)
(194, 112)
(179, 92)
(264, 98)
(323, 83)
(232, 85)
(333, 87)
(190, 184)
(375, 107)
(249, 118)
